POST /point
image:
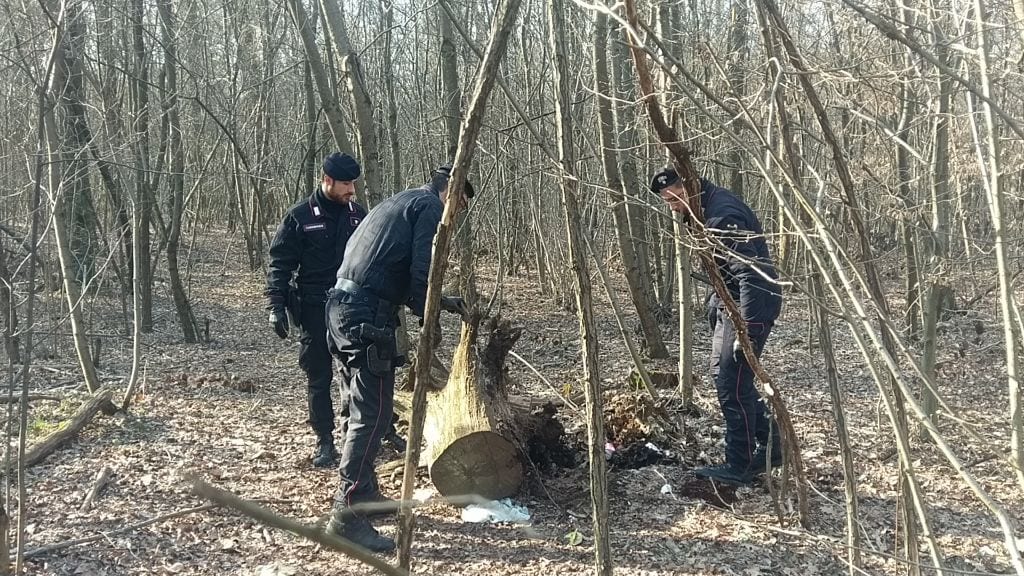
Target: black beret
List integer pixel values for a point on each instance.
(663, 179)
(341, 167)
(446, 171)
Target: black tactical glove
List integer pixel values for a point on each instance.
(455, 305)
(279, 322)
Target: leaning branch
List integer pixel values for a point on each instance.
(261, 514)
(691, 181)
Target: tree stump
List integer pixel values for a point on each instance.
(473, 445)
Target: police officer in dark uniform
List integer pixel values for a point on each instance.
(309, 246)
(386, 266)
(746, 267)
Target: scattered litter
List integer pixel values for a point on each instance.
(666, 489)
(422, 494)
(609, 449)
(496, 511)
(650, 446)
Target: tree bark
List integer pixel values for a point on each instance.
(388, 17)
(610, 161)
(997, 209)
(99, 402)
(911, 489)
(473, 444)
(60, 150)
(186, 319)
(451, 105)
(139, 86)
(582, 290)
(501, 27)
(335, 118)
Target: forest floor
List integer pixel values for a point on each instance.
(232, 412)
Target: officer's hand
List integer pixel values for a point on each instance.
(737, 349)
(455, 305)
(279, 322)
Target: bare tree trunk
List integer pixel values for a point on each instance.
(938, 246)
(683, 270)
(853, 539)
(66, 65)
(388, 17)
(451, 104)
(911, 491)
(635, 207)
(787, 145)
(581, 280)
(328, 102)
(186, 319)
(9, 309)
(45, 122)
(654, 344)
(912, 288)
(501, 27)
(737, 62)
(139, 86)
(997, 208)
(362, 107)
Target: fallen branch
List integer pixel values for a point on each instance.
(31, 397)
(261, 514)
(101, 481)
(40, 450)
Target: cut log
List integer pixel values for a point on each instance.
(473, 445)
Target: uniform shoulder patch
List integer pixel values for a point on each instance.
(313, 226)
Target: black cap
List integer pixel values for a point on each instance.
(446, 171)
(663, 179)
(341, 167)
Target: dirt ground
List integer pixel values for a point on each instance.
(232, 412)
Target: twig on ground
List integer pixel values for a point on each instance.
(105, 535)
(101, 481)
(568, 402)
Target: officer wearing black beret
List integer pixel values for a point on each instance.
(304, 256)
(746, 267)
(386, 266)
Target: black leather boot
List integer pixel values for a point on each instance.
(358, 530)
(325, 456)
(396, 441)
(374, 505)
(760, 459)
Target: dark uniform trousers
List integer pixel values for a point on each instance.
(746, 424)
(361, 334)
(315, 361)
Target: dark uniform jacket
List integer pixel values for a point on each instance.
(389, 254)
(310, 241)
(745, 263)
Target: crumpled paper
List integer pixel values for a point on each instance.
(495, 511)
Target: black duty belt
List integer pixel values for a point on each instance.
(363, 294)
